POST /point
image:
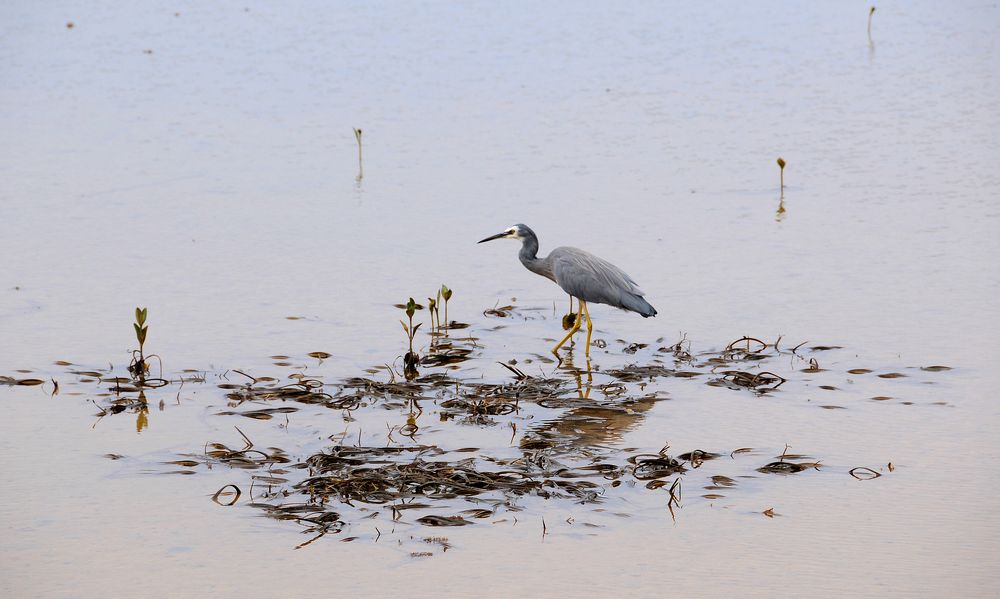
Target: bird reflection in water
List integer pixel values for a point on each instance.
(592, 423)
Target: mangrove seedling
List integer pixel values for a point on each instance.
(411, 358)
(781, 167)
(432, 309)
(138, 367)
(361, 167)
(446, 294)
(437, 309)
(871, 13)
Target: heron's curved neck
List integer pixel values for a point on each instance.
(529, 256)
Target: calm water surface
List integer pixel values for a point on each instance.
(199, 161)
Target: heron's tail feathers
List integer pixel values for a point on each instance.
(636, 303)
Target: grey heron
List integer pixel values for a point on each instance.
(582, 275)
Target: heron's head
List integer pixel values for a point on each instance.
(512, 232)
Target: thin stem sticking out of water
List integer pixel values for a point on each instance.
(446, 294)
(781, 166)
(361, 166)
(871, 13)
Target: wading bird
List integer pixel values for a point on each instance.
(582, 275)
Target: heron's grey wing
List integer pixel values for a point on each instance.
(592, 279)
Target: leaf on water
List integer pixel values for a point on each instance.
(881, 398)
(891, 375)
(30, 382)
(478, 513)
(858, 371)
(270, 480)
(935, 368)
(787, 467)
(443, 521)
(322, 355)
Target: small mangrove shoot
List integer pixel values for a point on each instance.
(138, 367)
(781, 167)
(411, 359)
(361, 166)
(446, 294)
(871, 13)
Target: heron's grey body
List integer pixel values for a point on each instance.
(580, 274)
(584, 275)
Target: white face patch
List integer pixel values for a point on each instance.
(512, 233)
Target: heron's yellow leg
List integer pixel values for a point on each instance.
(590, 326)
(572, 331)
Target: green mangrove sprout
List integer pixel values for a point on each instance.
(446, 294)
(871, 13)
(411, 358)
(139, 367)
(434, 310)
(781, 167)
(361, 167)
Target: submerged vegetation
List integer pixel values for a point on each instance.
(563, 426)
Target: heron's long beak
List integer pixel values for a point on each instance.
(497, 236)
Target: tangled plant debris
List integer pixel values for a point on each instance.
(566, 425)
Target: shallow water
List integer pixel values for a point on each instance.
(215, 181)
